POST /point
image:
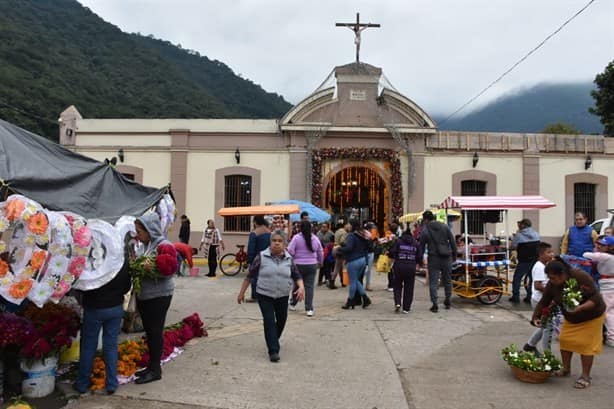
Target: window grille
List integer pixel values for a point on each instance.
(237, 193)
(475, 222)
(584, 199)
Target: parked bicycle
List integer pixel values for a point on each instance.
(232, 264)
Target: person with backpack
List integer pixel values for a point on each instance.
(406, 253)
(355, 251)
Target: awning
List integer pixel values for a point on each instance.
(412, 217)
(259, 210)
(496, 202)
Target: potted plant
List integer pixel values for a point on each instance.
(54, 327)
(528, 366)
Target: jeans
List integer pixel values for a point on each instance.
(440, 266)
(109, 319)
(356, 269)
(544, 334)
(212, 260)
(308, 272)
(522, 269)
(368, 269)
(274, 315)
(153, 314)
(403, 285)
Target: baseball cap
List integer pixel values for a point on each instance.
(606, 241)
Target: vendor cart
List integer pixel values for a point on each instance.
(484, 274)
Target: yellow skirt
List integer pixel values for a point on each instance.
(584, 338)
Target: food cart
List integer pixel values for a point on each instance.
(485, 275)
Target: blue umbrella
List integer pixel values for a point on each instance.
(315, 213)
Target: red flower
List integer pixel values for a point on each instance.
(166, 264)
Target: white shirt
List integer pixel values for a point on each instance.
(539, 274)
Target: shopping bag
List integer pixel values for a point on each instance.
(345, 277)
(383, 264)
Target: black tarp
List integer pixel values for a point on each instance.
(60, 179)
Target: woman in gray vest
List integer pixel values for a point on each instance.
(274, 273)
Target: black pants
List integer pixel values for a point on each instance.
(325, 272)
(212, 260)
(153, 314)
(403, 285)
(274, 315)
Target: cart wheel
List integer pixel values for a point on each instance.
(491, 296)
(229, 265)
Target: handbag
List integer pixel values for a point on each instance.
(384, 264)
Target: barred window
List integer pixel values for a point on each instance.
(584, 199)
(475, 222)
(237, 192)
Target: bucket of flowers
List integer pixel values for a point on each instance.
(528, 366)
(572, 295)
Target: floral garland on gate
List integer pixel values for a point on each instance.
(361, 154)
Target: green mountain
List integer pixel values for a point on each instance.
(58, 53)
(532, 110)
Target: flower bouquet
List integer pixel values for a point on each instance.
(14, 330)
(154, 266)
(572, 296)
(529, 367)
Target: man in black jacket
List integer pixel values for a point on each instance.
(441, 250)
(184, 230)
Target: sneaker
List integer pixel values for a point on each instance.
(397, 308)
(609, 343)
(274, 357)
(389, 289)
(292, 307)
(434, 308)
(514, 300)
(447, 304)
(310, 313)
(405, 311)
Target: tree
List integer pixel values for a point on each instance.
(561, 128)
(604, 99)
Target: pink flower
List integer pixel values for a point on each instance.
(60, 289)
(76, 267)
(83, 236)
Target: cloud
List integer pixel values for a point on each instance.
(439, 53)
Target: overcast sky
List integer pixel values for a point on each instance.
(439, 53)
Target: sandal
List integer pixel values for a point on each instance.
(582, 383)
(561, 373)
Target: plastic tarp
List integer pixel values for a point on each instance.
(496, 202)
(62, 180)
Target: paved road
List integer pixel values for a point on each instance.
(359, 358)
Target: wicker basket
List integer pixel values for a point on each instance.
(530, 376)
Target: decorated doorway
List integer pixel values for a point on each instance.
(357, 192)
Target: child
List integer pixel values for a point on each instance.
(540, 280)
(604, 256)
(406, 253)
(328, 264)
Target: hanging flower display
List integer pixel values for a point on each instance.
(359, 154)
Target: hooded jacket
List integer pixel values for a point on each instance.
(439, 239)
(162, 286)
(406, 252)
(357, 245)
(525, 242)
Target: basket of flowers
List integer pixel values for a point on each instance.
(528, 366)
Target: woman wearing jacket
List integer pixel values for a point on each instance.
(155, 296)
(355, 250)
(273, 271)
(406, 253)
(307, 252)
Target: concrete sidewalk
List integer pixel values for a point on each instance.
(370, 358)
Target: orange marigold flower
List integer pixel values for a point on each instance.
(21, 288)
(38, 223)
(4, 268)
(14, 209)
(37, 260)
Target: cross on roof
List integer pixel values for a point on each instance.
(357, 28)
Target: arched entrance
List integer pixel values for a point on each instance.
(357, 192)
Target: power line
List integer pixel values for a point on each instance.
(26, 113)
(518, 62)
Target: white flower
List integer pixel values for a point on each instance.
(41, 293)
(57, 265)
(2, 246)
(42, 239)
(6, 280)
(547, 367)
(97, 252)
(4, 223)
(97, 263)
(80, 251)
(30, 239)
(514, 354)
(575, 302)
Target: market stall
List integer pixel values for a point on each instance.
(485, 275)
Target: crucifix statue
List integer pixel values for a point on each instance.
(357, 28)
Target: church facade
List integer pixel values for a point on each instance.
(357, 148)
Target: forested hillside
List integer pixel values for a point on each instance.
(533, 109)
(58, 53)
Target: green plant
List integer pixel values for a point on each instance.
(529, 361)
